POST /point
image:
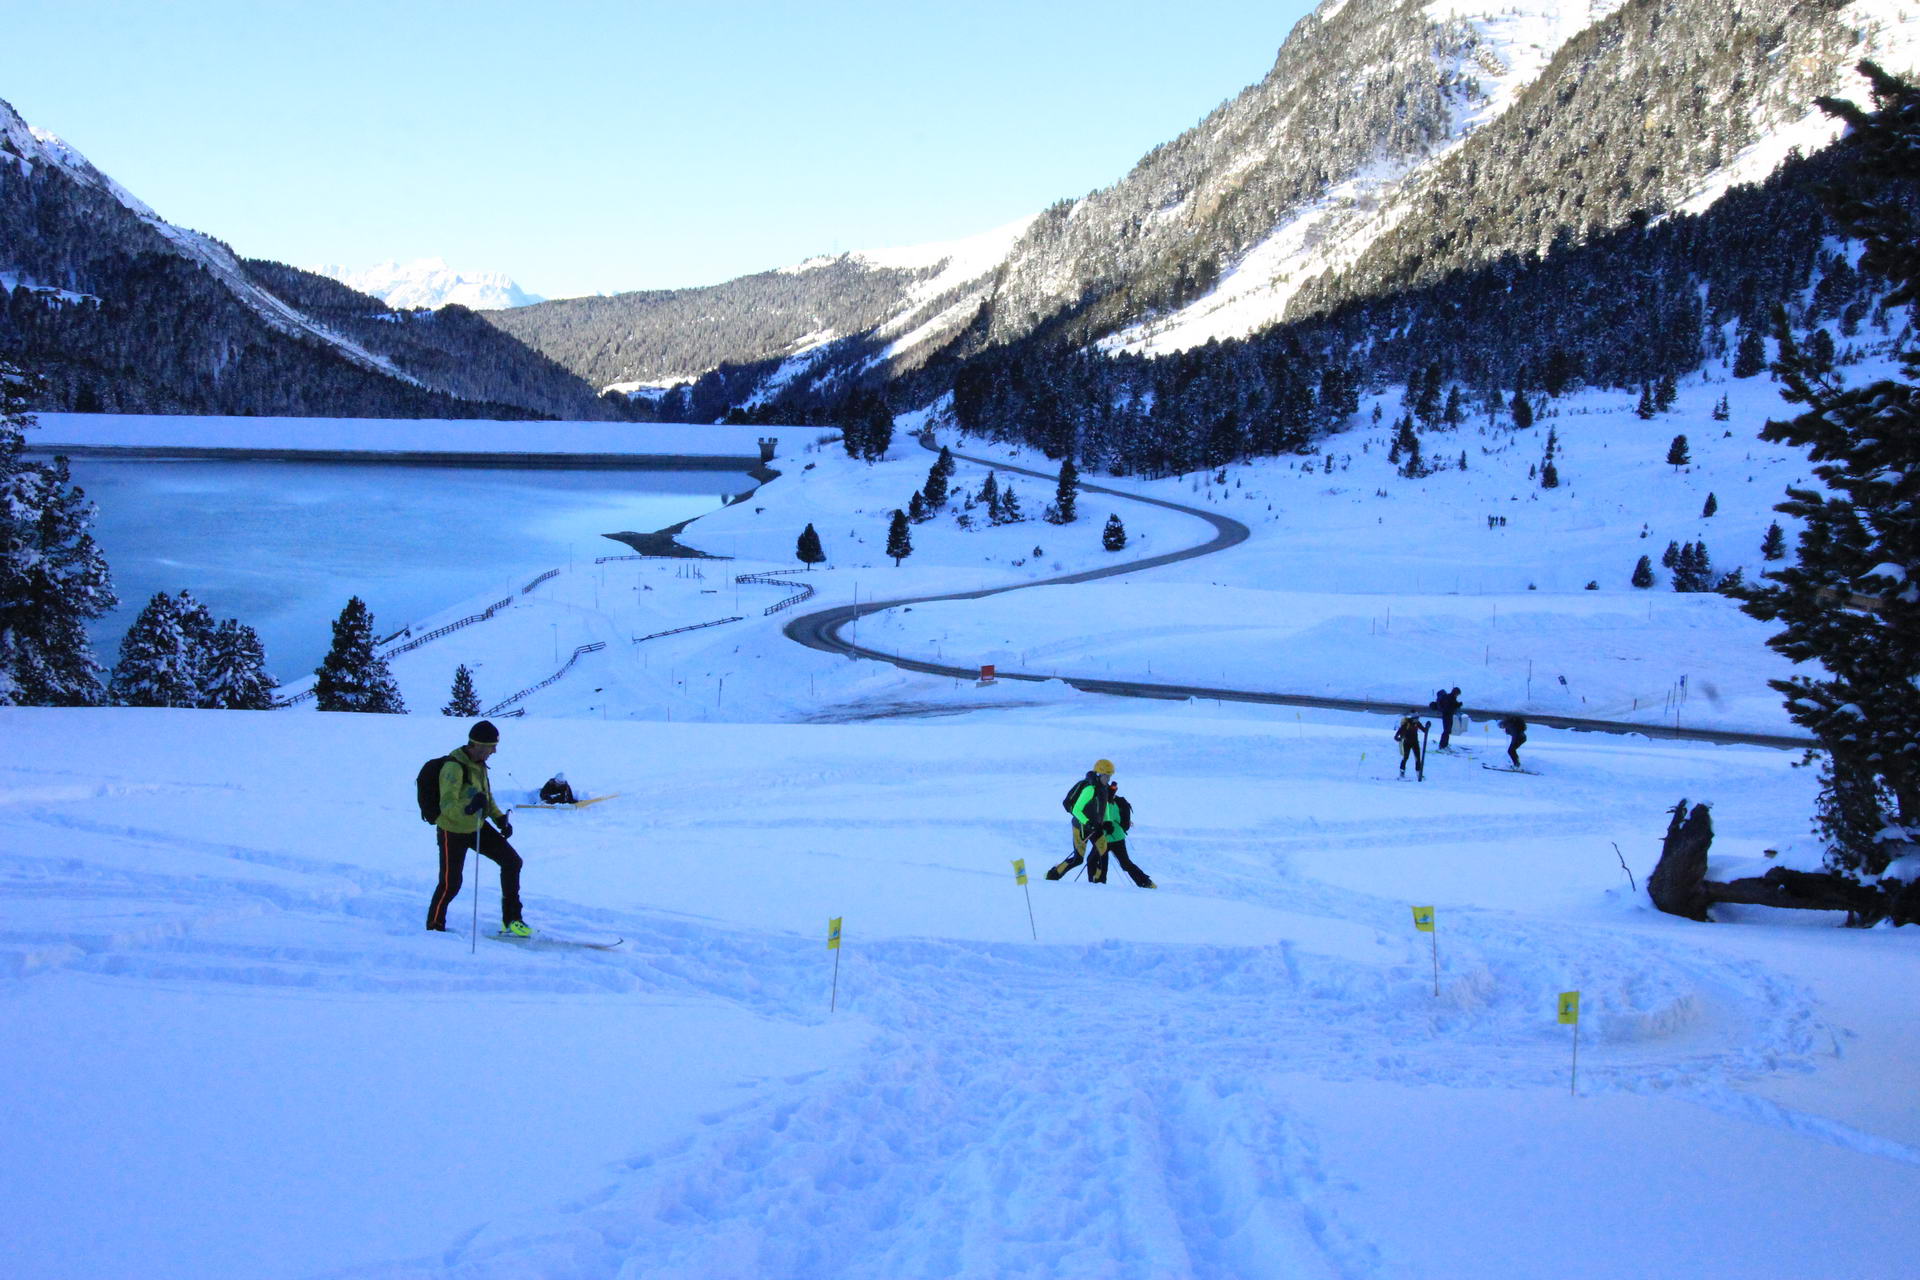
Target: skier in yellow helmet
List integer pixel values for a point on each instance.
(1101, 816)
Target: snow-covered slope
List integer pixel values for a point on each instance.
(430, 282)
(220, 993)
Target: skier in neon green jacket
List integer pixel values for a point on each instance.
(1101, 816)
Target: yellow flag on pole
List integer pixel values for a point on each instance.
(1423, 919)
(1570, 1007)
(833, 934)
(1019, 870)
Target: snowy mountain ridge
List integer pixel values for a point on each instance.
(431, 283)
(1394, 142)
(27, 144)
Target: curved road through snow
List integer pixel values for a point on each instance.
(821, 630)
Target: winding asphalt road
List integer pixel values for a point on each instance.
(821, 630)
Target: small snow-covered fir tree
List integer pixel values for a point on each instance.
(1645, 410)
(1711, 505)
(233, 670)
(1114, 536)
(353, 677)
(1774, 545)
(159, 664)
(465, 700)
(1678, 453)
(1010, 512)
(1643, 573)
(53, 579)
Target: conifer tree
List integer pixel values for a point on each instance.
(917, 512)
(1066, 495)
(1707, 508)
(1670, 558)
(1721, 412)
(233, 671)
(938, 474)
(1406, 443)
(1850, 605)
(1114, 536)
(466, 699)
(1010, 512)
(1665, 393)
(353, 677)
(989, 496)
(1522, 410)
(1774, 545)
(899, 540)
(158, 664)
(808, 550)
(53, 579)
(1677, 452)
(1645, 410)
(1643, 574)
(1750, 357)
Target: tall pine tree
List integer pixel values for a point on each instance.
(899, 538)
(53, 579)
(1066, 495)
(353, 677)
(1850, 606)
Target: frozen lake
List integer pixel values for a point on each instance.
(280, 545)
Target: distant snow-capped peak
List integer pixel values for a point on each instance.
(430, 282)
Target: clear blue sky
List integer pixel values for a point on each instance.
(584, 146)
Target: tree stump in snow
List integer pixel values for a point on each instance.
(1678, 885)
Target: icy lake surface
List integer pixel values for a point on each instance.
(274, 543)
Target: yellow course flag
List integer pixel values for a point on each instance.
(1570, 1006)
(1423, 919)
(1019, 870)
(833, 934)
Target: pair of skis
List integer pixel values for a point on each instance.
(544, 942)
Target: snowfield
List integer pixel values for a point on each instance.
(238, 1054)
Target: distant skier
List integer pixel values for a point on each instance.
(557, 790)
(1409, 734)
(1101, 817)
(1446, 705)
(466, 801)
(1515, 728)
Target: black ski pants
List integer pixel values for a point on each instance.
(1446, 729)
(1096, 859)
(1419, 757)
(453, 846)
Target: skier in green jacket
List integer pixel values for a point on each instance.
(1101, 816)
(466, 801)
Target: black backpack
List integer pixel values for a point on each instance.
(427, 783)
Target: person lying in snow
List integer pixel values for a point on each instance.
(557, 790)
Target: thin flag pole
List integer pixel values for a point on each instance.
(833, 945)
(1020, 878)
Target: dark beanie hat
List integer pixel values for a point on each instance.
(484, 732)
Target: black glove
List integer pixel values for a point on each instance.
(506, 826)
(475, 801)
